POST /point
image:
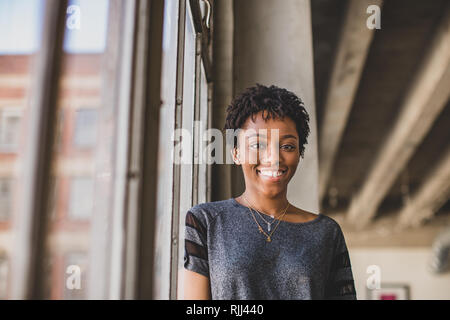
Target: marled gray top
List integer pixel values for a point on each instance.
(303, 261)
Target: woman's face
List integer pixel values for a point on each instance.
(269, 154)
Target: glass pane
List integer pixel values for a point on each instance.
(165, 153)
(85, 135)
(84, 153)
(20, 32)
(81, 199)
(188, 125)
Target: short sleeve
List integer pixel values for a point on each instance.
(340, 284)
(196, 249)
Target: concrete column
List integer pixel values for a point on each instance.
(223, 88)
(273, 45)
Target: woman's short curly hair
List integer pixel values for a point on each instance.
(276, 103)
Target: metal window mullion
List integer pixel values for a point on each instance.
(197, 130)
(140, 185)
(176, 166)
(148, 155)
(117, 279)
(135, 149)
(208, 126)
(29, 272)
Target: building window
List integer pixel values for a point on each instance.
(85, 135)
(81, 199)
(5, 199)
(95, 119)
(3, 277)
(10, 119)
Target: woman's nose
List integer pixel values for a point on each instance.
(271, 155)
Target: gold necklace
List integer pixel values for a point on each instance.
(268, 236)
(269, 224)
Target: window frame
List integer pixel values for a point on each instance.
(202, 52)
(27, 279)
(131, 273)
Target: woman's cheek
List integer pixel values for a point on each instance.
(252, 157)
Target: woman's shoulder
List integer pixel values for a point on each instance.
(326, 221)
(213, 205)
(306, 216)
(331, 226)
(208, 211)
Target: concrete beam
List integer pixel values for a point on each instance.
(351, 54)
(385, 232)
(427, 95)
(431, 196)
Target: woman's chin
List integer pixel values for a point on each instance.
(272, 191)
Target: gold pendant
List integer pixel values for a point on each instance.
(268, 239)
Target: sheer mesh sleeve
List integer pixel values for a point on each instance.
(195, 249)
(340, 285)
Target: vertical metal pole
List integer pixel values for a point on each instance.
(197, 129)
(124, 123)
(144, 156)
(30, 227)
(177, 167)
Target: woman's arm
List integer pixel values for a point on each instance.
(340, 284)
(196, 286)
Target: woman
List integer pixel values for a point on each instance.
(258, 245)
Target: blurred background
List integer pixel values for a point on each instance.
(92, 204)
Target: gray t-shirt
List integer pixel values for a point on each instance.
(303, 261)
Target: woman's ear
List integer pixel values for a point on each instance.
(235, 155)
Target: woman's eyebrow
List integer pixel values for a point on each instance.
(256, 135)
(286, 136)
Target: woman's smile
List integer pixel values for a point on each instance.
(271, 174)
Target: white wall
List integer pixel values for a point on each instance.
(400, 265)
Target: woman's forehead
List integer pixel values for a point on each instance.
(258, 123)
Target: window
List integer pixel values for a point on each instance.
(165, 193)
(20, 33)
(193, 178)
(81, 198)
(9, 129)
(85, 134)
(180, 186)
(5, 199)
(4, 280)
(83, 158)
(89, 174)
(203, 174)
(188, 188)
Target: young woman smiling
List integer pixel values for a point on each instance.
(258, 245)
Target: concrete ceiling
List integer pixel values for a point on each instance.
(394, 59)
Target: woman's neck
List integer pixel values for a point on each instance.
(269, 205)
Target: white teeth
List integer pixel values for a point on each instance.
(273, 174)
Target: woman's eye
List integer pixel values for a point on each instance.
(257, 146)
(288, 147)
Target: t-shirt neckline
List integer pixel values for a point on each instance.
(319, 216)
